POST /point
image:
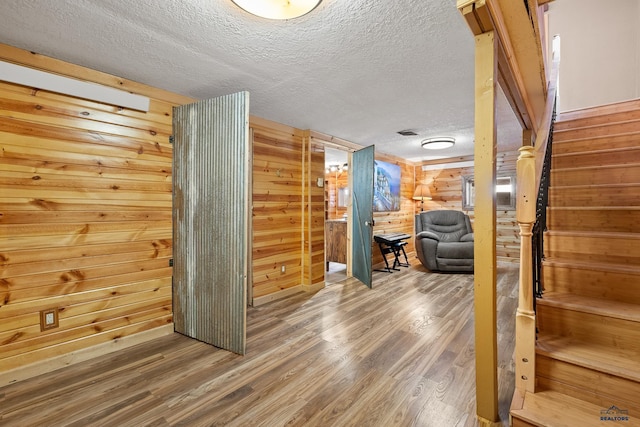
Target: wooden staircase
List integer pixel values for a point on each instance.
(588, 344)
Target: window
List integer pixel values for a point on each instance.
(505, 192)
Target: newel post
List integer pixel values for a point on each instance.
(525, 315)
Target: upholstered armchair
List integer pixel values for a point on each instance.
(444, 240)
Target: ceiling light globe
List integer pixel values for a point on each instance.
(439, 143)
(277, 9)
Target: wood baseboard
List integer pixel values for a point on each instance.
(29, 371)
(314, 288)
(487, 423)
(277, 295)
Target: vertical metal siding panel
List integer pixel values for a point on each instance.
(212, 293)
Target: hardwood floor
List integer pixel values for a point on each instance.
(336, 273)
(401, 354)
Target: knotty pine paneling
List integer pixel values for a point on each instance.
(278, 219)
(314, 214)
(85, 216)
(397, 221)
(333, 182)
(446, 189)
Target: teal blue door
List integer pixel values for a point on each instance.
(362, 224)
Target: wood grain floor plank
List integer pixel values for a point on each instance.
(400, 354)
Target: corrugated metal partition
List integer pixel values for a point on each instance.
(211, 220)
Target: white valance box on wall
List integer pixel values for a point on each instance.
(30, 77)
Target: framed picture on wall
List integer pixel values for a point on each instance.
(386, 187)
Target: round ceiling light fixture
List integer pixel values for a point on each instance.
(438, 143)
(278, 9)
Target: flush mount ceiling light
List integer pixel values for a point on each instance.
(278, 9)
(337, 168)
(438, 143)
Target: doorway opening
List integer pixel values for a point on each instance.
(337, 196)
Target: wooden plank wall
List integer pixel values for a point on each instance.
(85, 215)
(278, 215)
(446, 189)
(397, 221)
(313, 278)
(334, 181)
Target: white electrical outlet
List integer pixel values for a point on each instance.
(283, 268)
(49, 319)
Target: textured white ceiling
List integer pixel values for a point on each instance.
(360, 70)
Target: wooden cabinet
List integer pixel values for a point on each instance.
(336, 241)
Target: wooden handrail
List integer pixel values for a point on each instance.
(542, 136)
(521, 64)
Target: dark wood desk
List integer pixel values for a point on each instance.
(336, 241)
(393, 243)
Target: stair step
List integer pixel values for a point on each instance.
(594, 266)
(583, 383)
(627, 140)
(553, 409)
(614, 248)
(595, 195)
(586, 304)
(594, 218)
(610, 360)
(603, 119)
(611, 109)
(594, 175)
(616, 282)
(588, 320)
(609, 129)
(609, 156)
(596, 325)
